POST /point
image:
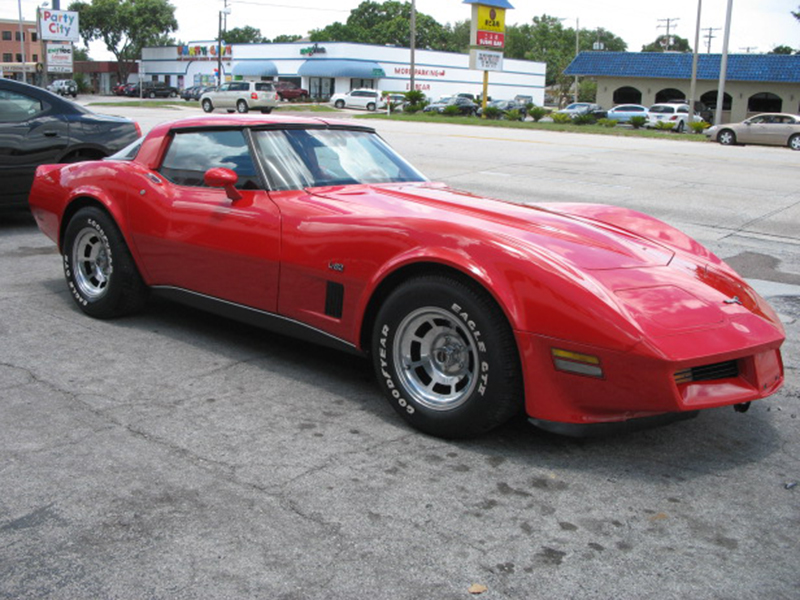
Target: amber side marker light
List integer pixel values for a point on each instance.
(577, 363)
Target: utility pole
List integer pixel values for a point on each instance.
(667, 26)
(225, 11)
(695, 57)
(748, 49)
(723, 67)
(710, 36)
(577, 51)
(413, 43)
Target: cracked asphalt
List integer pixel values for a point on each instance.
(177, 455)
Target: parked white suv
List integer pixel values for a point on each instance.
(64, 87)
(241, 96)
(677, 114)
(362, 98)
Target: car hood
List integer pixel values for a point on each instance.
(580, 241)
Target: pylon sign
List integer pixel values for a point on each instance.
(487, 34)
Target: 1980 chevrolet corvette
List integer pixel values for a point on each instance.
(471, 309)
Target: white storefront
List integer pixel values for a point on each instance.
(326, 68)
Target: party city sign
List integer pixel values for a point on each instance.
(59, 25)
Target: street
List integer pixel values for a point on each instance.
(179, 455)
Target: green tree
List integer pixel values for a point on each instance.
(782, 50)
(125, 26)
(387, 23)
(797, 14)
(81, 54)
(244, 35)
(458, 36)
(676, 44)
(284, 38)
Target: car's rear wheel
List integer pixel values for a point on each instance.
(241, 106)
(207, 106)
(267, 110)
(339, 104)
(726, 137)
(173, 94)
(794, 142)
(371, 106)
(445, 356)
(680, 127)
(101, 274)
(151, 95)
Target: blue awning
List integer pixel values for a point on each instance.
(495, 3)
(322, 67)
(255, 68)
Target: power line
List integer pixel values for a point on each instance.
(292, 6)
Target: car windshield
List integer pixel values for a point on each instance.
(301, 158)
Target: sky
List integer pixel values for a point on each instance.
(756, 25)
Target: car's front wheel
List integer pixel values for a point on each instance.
(726, 137)
(794, 142)
(173, 94)
(101, 274)
(445, 356)
(207, 105)
(339, 104)
(241, 106)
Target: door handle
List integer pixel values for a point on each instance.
(50, 133)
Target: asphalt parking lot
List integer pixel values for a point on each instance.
(179, 455)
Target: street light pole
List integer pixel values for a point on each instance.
(723, 66)
(21, 42)
(693, 87)
(413, 42)
(577, 51)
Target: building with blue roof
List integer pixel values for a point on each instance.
(754, 83)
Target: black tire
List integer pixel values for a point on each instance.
(173, 94)
(241, 106)
(681, 126)
(339, 104)
(100, 272)
(371, 107)
(207, 106)
(727, 137)
(445, 356)
(794, 142)
(151, 95)
(266, 111)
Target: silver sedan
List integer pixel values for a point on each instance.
(776, 129)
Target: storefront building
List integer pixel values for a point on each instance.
(337, 67)
(755, 83)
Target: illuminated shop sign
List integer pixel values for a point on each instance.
(203, 51)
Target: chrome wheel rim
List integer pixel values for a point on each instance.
(91, 263)
(725, 138)
(436, 358)
(794, 143)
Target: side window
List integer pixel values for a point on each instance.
(191, 154)
(16, 108)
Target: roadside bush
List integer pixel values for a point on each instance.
(415, 97)
(452, 110)
(699, 126)
(587, 119)
(608, 122)
(665, 126)
(414, 107)
(492, 112)
(515, 115)
(637, 122)
(82, 83)
(561, 118)
(537, 113)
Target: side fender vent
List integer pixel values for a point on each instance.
(334, 300)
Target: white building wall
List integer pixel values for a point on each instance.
(437, 73)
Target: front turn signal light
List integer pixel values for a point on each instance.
(576, 363)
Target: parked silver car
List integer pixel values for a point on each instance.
(777, 129)
(241, 96)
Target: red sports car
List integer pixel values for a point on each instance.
(471, 309)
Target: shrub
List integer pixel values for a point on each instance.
(492, 112)
(665, 126)
(537, 113)
(415, 97)
(414, 107)
(587, 119)
(608, 122)
(82, 83)
(561, 118)
(699, 126)
(637, 122)
(515, 115)
(452, 110)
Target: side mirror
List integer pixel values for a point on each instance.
(221, 177)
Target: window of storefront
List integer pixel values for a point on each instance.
(6, 35)
(320, 87)
(356, 83)
(7, 57)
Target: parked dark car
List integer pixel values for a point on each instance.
(506, 105)
(153, 89)
(465, 105)
(38, 127)
(289, 91)
(194, 92)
